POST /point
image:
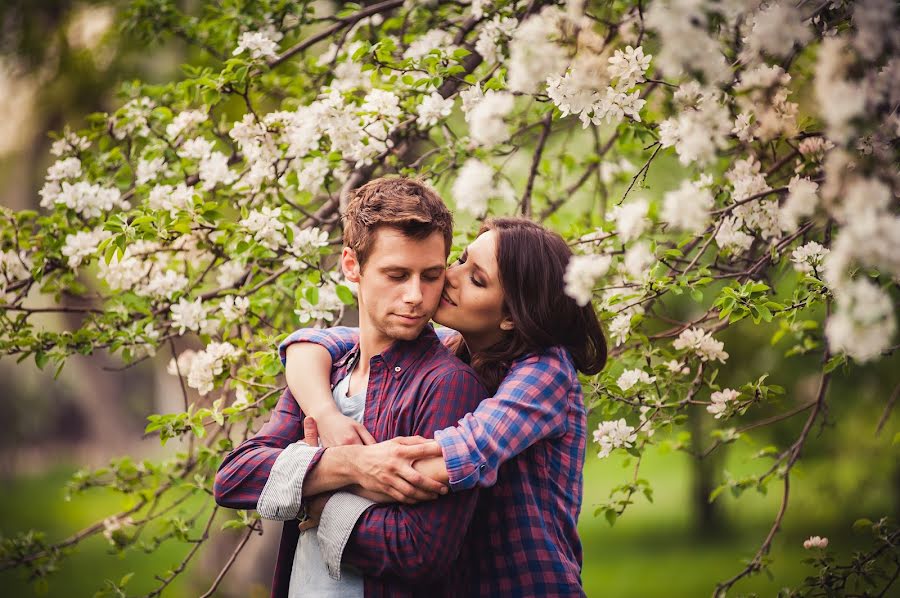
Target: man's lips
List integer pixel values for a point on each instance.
(410, 318)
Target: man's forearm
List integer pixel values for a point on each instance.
(332, 472)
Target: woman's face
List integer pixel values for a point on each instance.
(472, 301)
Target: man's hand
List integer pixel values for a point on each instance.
(314, 508)
(336, 429)
(387, 468)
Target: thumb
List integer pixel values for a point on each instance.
(310, 431)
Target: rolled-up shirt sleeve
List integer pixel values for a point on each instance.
(337, 341)
(531, 403)
(282, 495)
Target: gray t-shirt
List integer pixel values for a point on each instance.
(309, 576)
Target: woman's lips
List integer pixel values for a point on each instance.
(447, 300)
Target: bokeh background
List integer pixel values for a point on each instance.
(60, 61)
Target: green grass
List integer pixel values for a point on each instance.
(37, 503)
(651, 551)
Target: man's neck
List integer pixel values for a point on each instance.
(372, 342)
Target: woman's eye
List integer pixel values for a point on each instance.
(476, 282)
(462, 258)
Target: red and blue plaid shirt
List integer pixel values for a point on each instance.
(527, 444)
(415, 387)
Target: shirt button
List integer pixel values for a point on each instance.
(482, 466)
(397, 369)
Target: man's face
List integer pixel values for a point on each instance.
(399, 285)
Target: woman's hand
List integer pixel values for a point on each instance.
(336, 429)
(387, 468)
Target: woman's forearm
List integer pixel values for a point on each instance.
(307, 370)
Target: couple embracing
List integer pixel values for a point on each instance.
(406, 461)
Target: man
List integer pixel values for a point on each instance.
(400, 381)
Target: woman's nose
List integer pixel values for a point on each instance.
(451, 276)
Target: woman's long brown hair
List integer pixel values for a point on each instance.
(532, 262)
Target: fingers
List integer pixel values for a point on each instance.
(423, 483)
(310, 431)
(421, 451)
(406, 493)
(411, 440)
(365, 436)
(308, 524)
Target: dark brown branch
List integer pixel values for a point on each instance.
(535, 164)
(329, 31)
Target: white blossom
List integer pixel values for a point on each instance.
(492, 35)
(183, 365)
(214, 170)
(628, 67)
(69, 143)
(474, 186)
(638, 260)
(323, 310)
(815, 542)
(629, 378)
(189, 315)
(687, 207)
(66, 168)
(88, 200)
(620, 327)
(612, 435)
(720, 400)
(698, 130)
(230, 273)
(743, 127)
(863, 322)
(701, 343)
(115, 527)
(185, 121)
(486, 125)
(311, 175)
(266, 227)
(166, 284)
(582, 274)
(685, 43)
(777, 28)
(433, 109)
(149, 170)
(534, 54)
(208, 364)
(436, 39)
(809, 257)
(173, 199)
(631, 219)
(196, 148)
(730, 238)
(82, 245)
(801, 202)
(259, 44)
(123, 272)
(233, 308)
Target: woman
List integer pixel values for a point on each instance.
(524, 338)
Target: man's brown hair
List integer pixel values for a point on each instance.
(408, 205)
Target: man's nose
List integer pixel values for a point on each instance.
(412, 292)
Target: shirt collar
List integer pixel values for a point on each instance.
(399, 357)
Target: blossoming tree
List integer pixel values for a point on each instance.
(208, 207)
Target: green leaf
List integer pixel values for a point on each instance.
(345, 295)
(611, 516)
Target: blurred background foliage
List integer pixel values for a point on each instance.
(61, 60)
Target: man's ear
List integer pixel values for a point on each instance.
(350, 265)
(507, 324)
